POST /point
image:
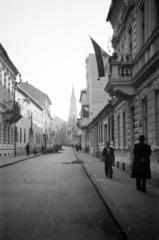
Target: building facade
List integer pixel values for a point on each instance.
(9, 108)
(30, 128)
(40, 117)
(134, 75)
(84, 118)
(97, 97)
(93, 99)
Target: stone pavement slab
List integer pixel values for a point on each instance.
(137, 213)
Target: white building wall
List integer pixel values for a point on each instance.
(32, 117)
(95, 88)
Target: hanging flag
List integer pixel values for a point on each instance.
(100, 55)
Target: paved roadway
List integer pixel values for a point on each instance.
(51, 198)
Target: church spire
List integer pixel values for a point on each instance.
(73, 108)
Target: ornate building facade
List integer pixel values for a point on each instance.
(134, 76)
(9, 107)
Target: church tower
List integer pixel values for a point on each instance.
(73, 109)
(72, 128)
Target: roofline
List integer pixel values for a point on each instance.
(44, 94)
(4, 55)
(32, 99)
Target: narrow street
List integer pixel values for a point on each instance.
(51, 198)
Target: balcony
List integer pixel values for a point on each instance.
(12, 114)
(120, 78)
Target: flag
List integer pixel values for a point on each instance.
(100, 54)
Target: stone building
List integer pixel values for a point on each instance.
(134, 76)
(30, 128)
(40, 116)
(9, 108)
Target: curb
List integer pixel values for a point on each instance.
(20, 160)
(126, 229)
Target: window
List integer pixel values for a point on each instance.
(118, 130)
(24, 135)
(142, 17)
(99, 133)
(5, 134)
(8, 130)
(20, 135)
(105, 133)
(157, 116)
(157, 12)
(16, 134)
(12, 134)
(124, 129)
(102, 132)
(144, 117)
(130, 43)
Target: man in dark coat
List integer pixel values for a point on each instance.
(141, 164)
(108, 156)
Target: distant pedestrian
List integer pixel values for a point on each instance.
(42, 149)
(109, 159)
(76, 147)
(141, 164)
(27, 149)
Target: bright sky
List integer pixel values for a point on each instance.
(48, 42)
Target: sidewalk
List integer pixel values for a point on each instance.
(137, 213)
(6, 161)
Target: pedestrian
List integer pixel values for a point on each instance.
(42, 149)
(27, 149)
(141, 164)
(109, 159)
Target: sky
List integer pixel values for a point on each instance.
(48, 42)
